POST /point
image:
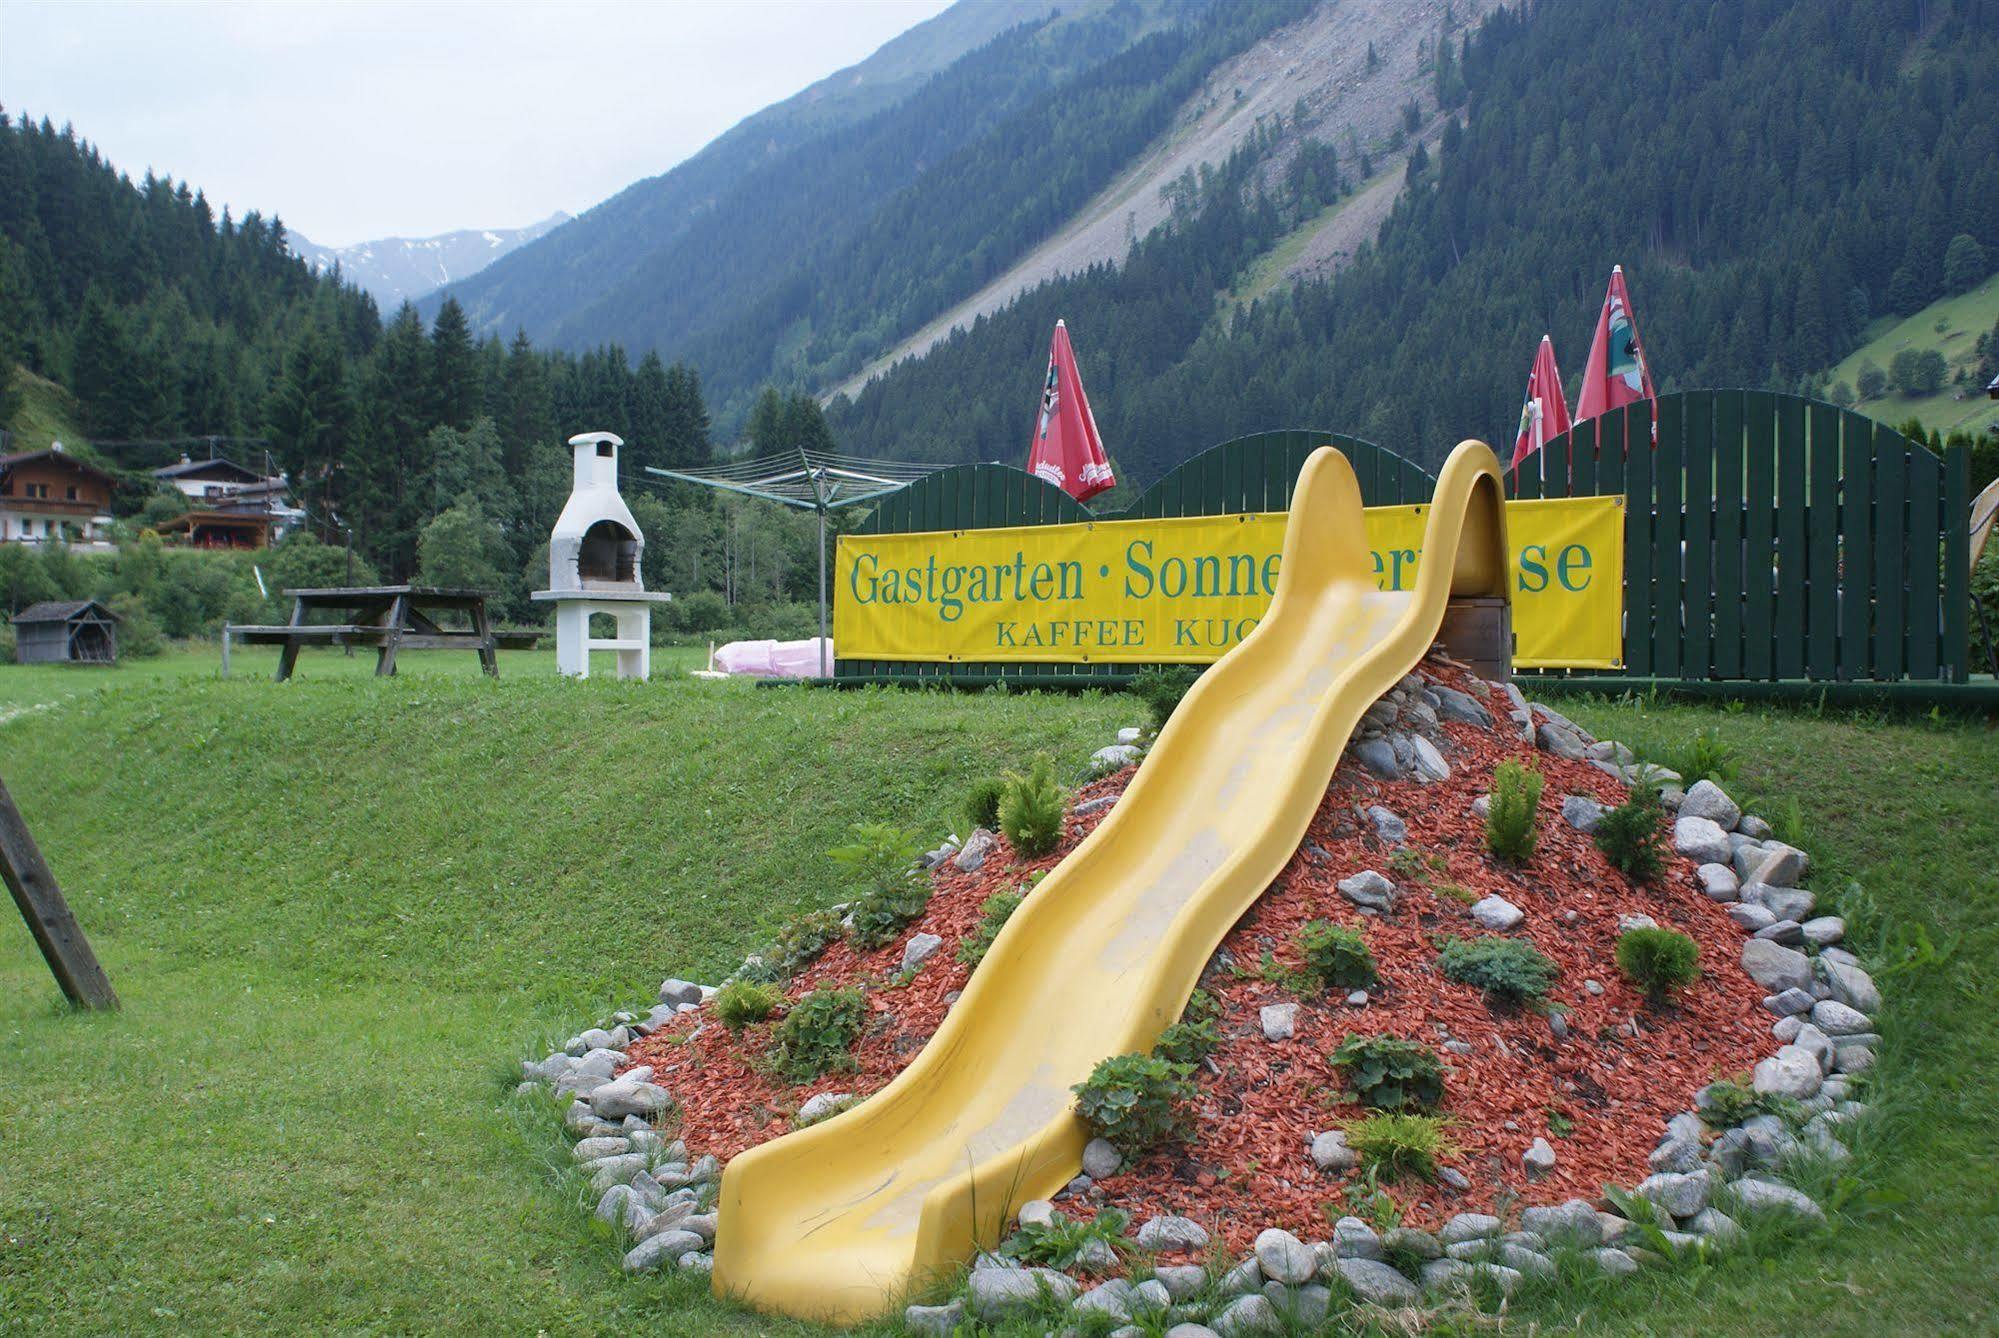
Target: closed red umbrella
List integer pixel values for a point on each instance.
(1545, 415)
(1617, 373)
(1067, 450)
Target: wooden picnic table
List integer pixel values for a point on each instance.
(388, 617)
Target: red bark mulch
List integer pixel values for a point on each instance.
(1601, 1097)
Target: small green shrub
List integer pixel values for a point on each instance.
(1136, 1102)
(1162, 689)
(1512, 819)
(994, 912)
(741, 1002)
(890, 889)
(1509, 970)
(1188, 1041)
(982, 802)
(1628, 836)
(1031, 809)
(1729, 1102)
(1065, 1243)
(1337, 956)
(1658, 961)
(1708, 757)
(1386, 1073)
(818, 1033)
(1392, 1144)
(796, 946)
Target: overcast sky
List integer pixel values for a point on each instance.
(374, 118)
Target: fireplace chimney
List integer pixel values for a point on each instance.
(594, 566)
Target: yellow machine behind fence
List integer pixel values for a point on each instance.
(840, 1220)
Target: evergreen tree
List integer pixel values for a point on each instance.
(1964, 264)
(454, 369)
(309, 417)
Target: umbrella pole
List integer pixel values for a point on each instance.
(822, 591)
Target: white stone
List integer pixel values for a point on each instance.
(1497, 913)
(1701, 840)
(1331, 1153)
(1791, 1072)
(1539, 1159)
(1718, 882)
(1279, 1021)
(1707, 800)
(920, 949)
(1284, 1258)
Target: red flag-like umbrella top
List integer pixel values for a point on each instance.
(1545, 415)
(1067, 450)
(1617, 373)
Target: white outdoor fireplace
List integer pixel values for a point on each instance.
(593, 567)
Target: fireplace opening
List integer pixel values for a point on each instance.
(609, 552)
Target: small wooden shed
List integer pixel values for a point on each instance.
(66, 631)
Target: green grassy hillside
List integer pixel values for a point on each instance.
(338, 910)
(1950, 326)
(47, 414)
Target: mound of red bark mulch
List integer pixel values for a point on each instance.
(1600, 1096)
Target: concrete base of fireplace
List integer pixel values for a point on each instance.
(573, 643)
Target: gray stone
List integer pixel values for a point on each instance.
(1378, 756)
(608, 1171)
(1252, 1314)
(1789, 1001)
(670, 1217)
(1776, 967)
(1814, 1043)
(1787, 932)
(1279, 1021)
(1459, 706)
(1700, 839)
(1181, 1281)
(591, 1149)
(993, 1294)
(1370, 889)
(1191, 1331)
(940, 1321)
(1682, 1195)
(1628, 922)
(1498, 1275)
(1244, 1278)
(1561, 742)
(615, 1204)
(1469, 1226)
(1305, 1307)
(1355, 1239)
(1411, 1242)
(1496, 913)
(675, 991)
(1750, 916)
(1539, 1159)
(1331, 1153)
(1715, 1225)
(1481, 807)
(1676, 1154)
(1837, 1019)
(1786, 1029)
(1115, 756)
(1791, 1072)
(1529, 1263)
(1101, 1160)
(1744, 859)
(1097, 1256)
(1787, 903)
(1375, 1282)
(1824, 930)
(920, 949)
(977, 846)
(616, 1100)
(1111, 1298)
(1036, 1213)
(1686, 1126)
(1752, 826)
(1760, 1198)
(702, 1225)
(1452, 1177)
(1130, 734)
(1718, 882)
(1088, 806)
(1472, 1249)
(597, 1039)
(1616, 1263)
(665, 1248)
(1851, 986)
(1151, 1297)
(1582, 813)
(1439, 1274)
(1707, 800)
(1781, 865)
(1571, 1223)
(1284, 1258)
(824, 1106)
(1167, 1232)
(1430, 764)
(1387, 825)
(1853, 1054)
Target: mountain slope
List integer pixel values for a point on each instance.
(394, 268)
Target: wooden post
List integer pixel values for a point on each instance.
(225, 650)
(42, 906)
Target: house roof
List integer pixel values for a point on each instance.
(62, 611)
(7, 462)
(219, 468)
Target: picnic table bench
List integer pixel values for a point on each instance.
(389, 618)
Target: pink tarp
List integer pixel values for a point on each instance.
(774, 659)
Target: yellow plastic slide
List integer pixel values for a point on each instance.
(840, 1220)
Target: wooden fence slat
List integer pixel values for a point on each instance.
(1892, 462)
(1790, 619)
(1924, 612)
(1697, 661)
(1823, 571)
(1668, 480)
(1728, 560)
(1955, 654)
(1640, 589)
(1583, 460)
(1759, 535)
(1856, 558)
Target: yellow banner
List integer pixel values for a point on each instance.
(1183, 589)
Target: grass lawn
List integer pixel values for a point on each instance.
(339, 909)
(1962, 319)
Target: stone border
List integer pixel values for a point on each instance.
(1821, 997)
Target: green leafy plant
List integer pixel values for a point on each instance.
(994, 912)
(1628, 836)
(1387, 1073)
(1392, 1145)
(1708, 756)
(1162, 689)
(1509, 970)
(1188, 1041)
(1658, 961)
(1337, 956)
(1512, 818)
(880, 863)
(796, 946)
(1065, 1242)
(1031, 808)
(982, 802)
(741, 1002)
(1727, 1103)
(818, 1034)
(1136, 1102)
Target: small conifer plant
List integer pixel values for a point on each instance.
(1512, 818)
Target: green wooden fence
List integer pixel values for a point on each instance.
(1248, 474)
(1771, 537)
